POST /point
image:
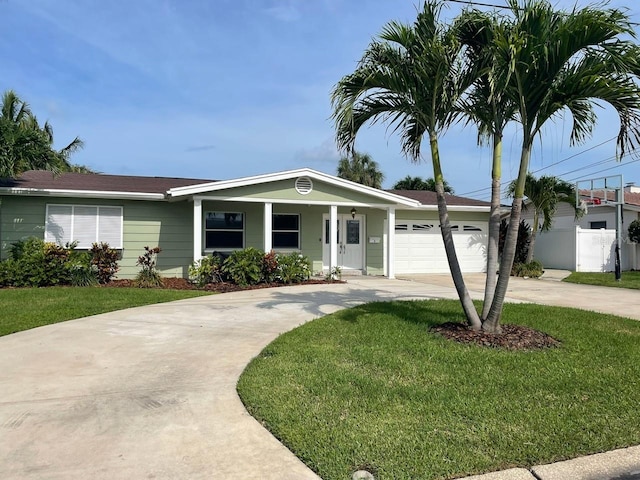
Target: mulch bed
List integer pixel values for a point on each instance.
(222, 287)
(513, 337)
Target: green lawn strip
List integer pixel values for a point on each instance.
(628, 279)
(25, 308)
(370, 386)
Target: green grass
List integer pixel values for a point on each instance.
(628, 280)
(25, 308)
(371, 386)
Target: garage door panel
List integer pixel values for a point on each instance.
(420, 249)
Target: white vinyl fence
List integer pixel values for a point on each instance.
(583, 250)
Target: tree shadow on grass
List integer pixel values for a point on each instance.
(435, 312)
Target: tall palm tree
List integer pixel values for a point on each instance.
(417, 183)
(411, 77)
(24, 144)
(491, 110)
(555, 61)
(543, 195)
(361, 168)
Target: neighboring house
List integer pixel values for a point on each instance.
(333, 221)
(588, 244)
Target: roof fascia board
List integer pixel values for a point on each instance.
(292, 202)
(45, 192)
(287, 175)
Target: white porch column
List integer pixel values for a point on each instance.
(268, 227)
(333, 237)
(391, 242)
(197, 229)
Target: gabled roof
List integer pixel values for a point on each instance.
(288, 175)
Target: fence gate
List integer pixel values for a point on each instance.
(595, 250)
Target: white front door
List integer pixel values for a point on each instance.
(350, 244)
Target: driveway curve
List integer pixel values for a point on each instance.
(149, 392)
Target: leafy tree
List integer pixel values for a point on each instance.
(412, 78)
(417, 183)
(544, 194)
(634, 231)
(361, 168)
(25, 145)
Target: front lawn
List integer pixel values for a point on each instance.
(628, 280)
(371, 387)
(25, 308)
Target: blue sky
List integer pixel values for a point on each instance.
(220, 89)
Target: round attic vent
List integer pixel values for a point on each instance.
(304, 185)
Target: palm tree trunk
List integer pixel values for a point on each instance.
(494, 227)
(445, 227)
(492, 322)
(534, 233)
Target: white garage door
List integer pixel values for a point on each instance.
(419, 247)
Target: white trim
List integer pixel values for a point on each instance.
(288, 175)
(293, 202)
(391, 242)
(198, 232)
(47, 192)
(333, 237)
(268, 227)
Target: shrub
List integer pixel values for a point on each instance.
(80, 272)
(148, 276)
(35, 263)
(206, 270)
(293, 268)
(522, 244)
(634, 231)
(105, 261)
(533, 269)
(270, 267)
(244, 267)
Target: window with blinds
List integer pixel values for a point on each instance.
(84, 224)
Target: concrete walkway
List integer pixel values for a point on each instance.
(150, 392)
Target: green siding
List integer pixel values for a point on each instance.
(285, 190)
(168, 225)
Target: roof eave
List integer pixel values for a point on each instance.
(47, 192)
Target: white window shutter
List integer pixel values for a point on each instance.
(58, 225)
(110, 226)
(85, 225)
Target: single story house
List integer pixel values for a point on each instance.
(333, 221)
(588, 243)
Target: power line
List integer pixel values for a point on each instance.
(480, 4)
(599, 162)
(604, 170)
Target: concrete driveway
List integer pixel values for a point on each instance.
(549, 290)
(149, 392)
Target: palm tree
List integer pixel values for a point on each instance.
(24, 145)
(491, 110)
(550, 61)
(417, 183)
(544, 194)
(411, 77)
(361, 168)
